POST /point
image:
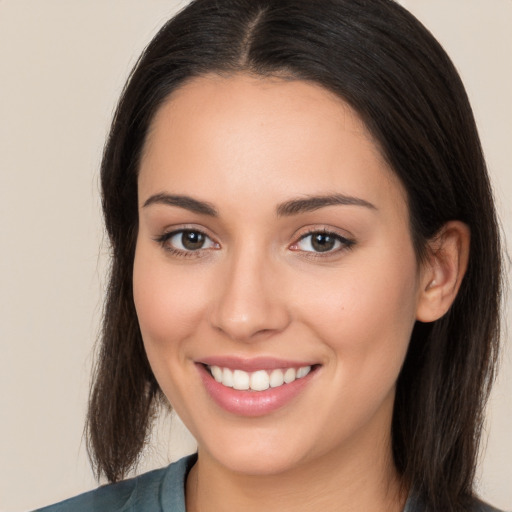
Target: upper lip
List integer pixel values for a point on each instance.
(252, 364)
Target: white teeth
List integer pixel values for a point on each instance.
(240, 380)
(217, 373)
(259, 380)
(290, 375)
(276, 378)
(227, 378)
(303, 371)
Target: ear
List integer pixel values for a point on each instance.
(443, 270)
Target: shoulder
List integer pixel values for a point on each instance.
(148, 492)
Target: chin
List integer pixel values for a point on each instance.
(263, 464)
(263, 455)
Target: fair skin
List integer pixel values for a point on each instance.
(265, 278)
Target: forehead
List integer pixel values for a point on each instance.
(242, 131)
(259, 99)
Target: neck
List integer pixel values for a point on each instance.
(341, 482)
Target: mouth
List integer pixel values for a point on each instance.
(259, 380)
(256, 387)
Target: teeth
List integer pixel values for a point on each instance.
(302, 372)
(290, 375)
(259, 380)
(227, 378)
(276, 378)
(217, 373)
(240, 380)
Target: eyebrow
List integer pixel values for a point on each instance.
(186, 202)
(311, 203)
(286, 209)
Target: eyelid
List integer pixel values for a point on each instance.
(347, 242)
(169, 233)
(344, 242)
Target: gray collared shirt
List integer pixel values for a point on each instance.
(163, 490)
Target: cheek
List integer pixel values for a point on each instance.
(367, 315)
(168, 302)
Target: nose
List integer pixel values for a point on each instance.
(250, 303)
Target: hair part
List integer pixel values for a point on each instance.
(380, 60)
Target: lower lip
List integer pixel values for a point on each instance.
(252, 403)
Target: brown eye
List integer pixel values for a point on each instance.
(322, 242)
(192, 240)
(186, 241)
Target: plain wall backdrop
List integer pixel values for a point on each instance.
(62, 66)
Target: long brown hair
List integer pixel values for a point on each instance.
(382, 61)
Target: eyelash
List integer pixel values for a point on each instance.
(164, 239)
(343, 243)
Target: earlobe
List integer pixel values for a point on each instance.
(442, 273)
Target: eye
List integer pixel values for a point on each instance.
(322, 242)
(186, 241)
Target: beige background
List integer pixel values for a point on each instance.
(62, 66)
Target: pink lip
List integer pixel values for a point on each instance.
(253, 403)
(253, 364)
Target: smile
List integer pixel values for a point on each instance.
(255, 387)
(259, 380)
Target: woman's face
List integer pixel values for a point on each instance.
(273, 252)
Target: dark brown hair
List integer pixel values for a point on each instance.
(390, 69)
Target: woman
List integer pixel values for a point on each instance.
(306, 265)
